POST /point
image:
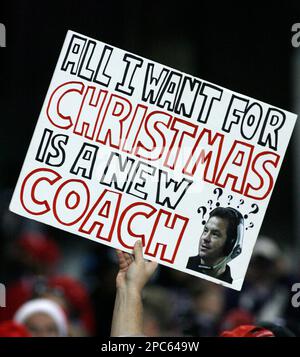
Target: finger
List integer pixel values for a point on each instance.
(138, 251)
(122, 259)
(129, 258)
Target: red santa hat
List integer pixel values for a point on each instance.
(77, 296)
(45, 306)
(42, 248)
(248, 331)
(13, 329)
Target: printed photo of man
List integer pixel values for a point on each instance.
(219, 243)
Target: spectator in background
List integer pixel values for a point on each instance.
(38, 256)
(42, 318)
(73, 297)
(35, 254)
(248, 331)
(13, 329)
(266, 292)
(266, 289)
(258, 330)
(206, 310)
(234, 318)
(159, 312)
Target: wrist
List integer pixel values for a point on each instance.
(130, 290)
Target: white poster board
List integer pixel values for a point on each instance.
(126, 148)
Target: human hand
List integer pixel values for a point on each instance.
(134, 271)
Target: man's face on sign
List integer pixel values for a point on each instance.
(213, 239)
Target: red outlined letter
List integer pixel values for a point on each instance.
(265, 177)
(103, 215)
(155, 134)
(91, 107)
(126, 233)
(69, 91)
(167, 234)
(111, 131)
(29, 188)
(236, 166)
(71, 202)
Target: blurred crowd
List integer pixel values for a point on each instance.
(60, 285)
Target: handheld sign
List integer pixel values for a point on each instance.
(126, 148)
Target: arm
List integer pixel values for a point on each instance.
(134, 272)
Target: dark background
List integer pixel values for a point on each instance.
(244, 46)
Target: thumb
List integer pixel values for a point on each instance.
(138, 251)
(151, 267)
